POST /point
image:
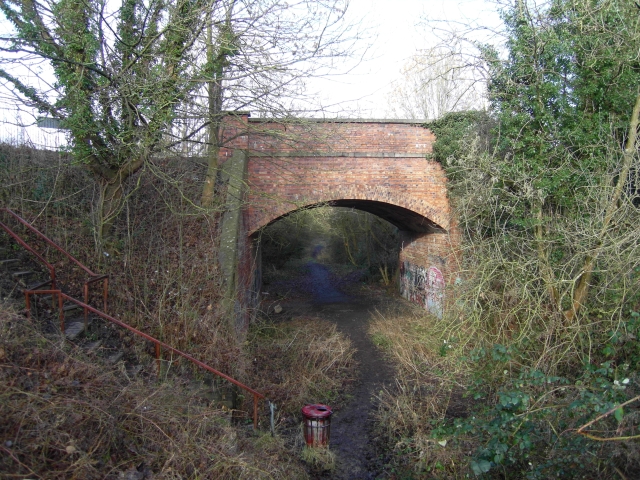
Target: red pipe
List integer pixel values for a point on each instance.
(158, 344)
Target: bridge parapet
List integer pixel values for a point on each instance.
(379, 166)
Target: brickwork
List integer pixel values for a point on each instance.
(375, 166)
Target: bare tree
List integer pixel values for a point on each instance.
(131, 79)
(437, 81)
(260, 55)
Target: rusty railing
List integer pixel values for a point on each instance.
(50, 267)
(158, 344)
(95, 277)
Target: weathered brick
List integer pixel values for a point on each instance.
(376, 166)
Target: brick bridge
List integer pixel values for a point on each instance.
(274, 168)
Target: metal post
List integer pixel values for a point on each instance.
(86, 301)
(158, 358)
(255, 412)
(27, 302)
(53, 287)
(272, 409)
(105, 286)
(61, 313)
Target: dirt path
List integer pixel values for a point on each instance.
(352, 438)
(351, 435)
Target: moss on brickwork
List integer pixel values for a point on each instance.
(234, 173)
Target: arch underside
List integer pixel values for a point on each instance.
(400, 217)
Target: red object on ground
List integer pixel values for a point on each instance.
(317, 424)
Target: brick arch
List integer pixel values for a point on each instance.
(401, 217)
(379, 166)
(279, 184)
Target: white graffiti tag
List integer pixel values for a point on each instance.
(434, 288)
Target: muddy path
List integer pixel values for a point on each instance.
(352, 437)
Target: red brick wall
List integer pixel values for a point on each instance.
(313, 136)
(298, 164)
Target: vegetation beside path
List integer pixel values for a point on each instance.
(534, 370)
(67, 414)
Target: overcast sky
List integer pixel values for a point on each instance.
(399, 29)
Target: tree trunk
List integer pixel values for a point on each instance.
(209, 188)
(582, 288)
(543, 259)
(109, 205)
(208, 191)
(111, 199)
(217, 61)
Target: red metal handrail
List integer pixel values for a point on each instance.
(16, 237)
(85, 288)
(157, 343)
(48, 240)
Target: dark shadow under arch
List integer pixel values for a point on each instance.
(400, 217)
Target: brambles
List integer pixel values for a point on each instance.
(543, 312)
(531, 425)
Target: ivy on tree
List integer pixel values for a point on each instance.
(127, 79)
(119, 77)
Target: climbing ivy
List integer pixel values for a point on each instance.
(453, 132)
(119, 78)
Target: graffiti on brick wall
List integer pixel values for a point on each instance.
(424, 286)
(412, 281)
(435, 291)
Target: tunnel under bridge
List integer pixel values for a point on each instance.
(274, 168)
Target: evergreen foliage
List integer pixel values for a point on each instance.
(564, 96)
(550, 290)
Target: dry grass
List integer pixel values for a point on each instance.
(319, 458)
(161, 261)
(162, 264)
(427, 389)
(66, 417)
(305, 360)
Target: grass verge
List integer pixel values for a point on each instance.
(305, 360)
(427, 389)
(66, 416)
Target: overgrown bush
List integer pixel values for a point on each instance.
(545, 344)
(535, 425)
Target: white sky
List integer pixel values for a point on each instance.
(399, 31)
